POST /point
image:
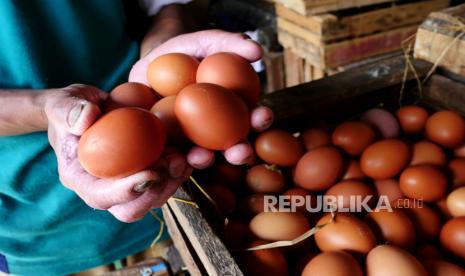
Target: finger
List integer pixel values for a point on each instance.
(261, 118)
(200, 158)
(155, 197)
(239, 154)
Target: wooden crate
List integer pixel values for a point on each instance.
(308, 7)
(328, 41)
(339, 96)
(438, 39)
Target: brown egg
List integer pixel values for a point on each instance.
(442, 206)
(270, 262)
(319, 169)
(302, 194)
(345, 232)
(423, 182)
(232, 175)
(460, 151)
(212, 116)
(278, 147)
(389, 188)
(446, 128)
(279, 226)
(456, 202)
(452, 236)
(412, 119)
(164, 110)
(393, 227)
(130, 94)
(456, 170)
(232, 72)
(298, 266)
(348, 188)
(223, 197)
(426, 221)
(252, 204)
(428, 153)
(353, 171)
(353, 137)
(383, 121)
(314, 137)
(125, 141)
(236, 234)
(428, 252)
(388, 260)
(170, 73)
(265, 179)
(385, 159)
(337, 263)
(443, 268)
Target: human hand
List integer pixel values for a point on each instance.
(200, 45)
(73, 109)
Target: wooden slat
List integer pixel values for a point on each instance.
(329, 27)
(442, 92)
(438, 33)
(180, 242)
(345, 52)
(307, 7)
(275, 74)
(214, 256)
(294, 68)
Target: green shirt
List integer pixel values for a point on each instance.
(45, 229)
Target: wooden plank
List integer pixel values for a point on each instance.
(445, 93)
(308, 7)
(439, 33)
(308, 72)
(213, 254)
(294, 68)
(275, 75)
(340, 53)
(180, 241)
(345, 92)
(329, 27)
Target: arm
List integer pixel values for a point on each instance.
(171, 21)
(21, 112)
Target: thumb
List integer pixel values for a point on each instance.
(74, 115)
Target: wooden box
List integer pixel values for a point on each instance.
(441, 38)
(339, 96)
(329, 40)
(308, 7)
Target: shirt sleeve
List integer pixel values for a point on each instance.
(152, 7)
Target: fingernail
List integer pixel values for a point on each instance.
(177, 168)
(74, 114)
(144, 186)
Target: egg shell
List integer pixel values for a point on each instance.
(170, 73)
(303, 194)
(423, 182)
(387, 260)
(270, 262)
(426, 220)
(278, 147)
(443, 268)
(353, 171)
(452, 236)
(345, 232)
(233, 72)
(428, 252)
(348, 188)
(319, 169)
(460, 151)
(236, 234)
(223, 197)
(428, 153)
(122, 142)
(383, 121)
(353, 137)
(130, 94)
(394, 227)
(252, 204)
(456, 171)
(456, 202)
(385, 159)
(231, 175)
(265, 179)
(336, 263)
(279, 226)
(412, 119)
(164, 110)
(447, 128)
(315, 137)
(389, 188)
(442, 207)
(212, 116)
